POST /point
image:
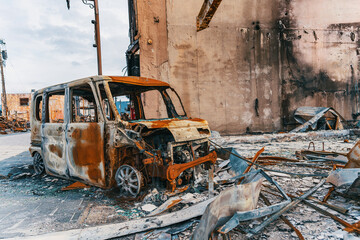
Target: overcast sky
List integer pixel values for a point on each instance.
(49, 44)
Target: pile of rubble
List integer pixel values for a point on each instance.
(266, 189)
(255, 195)
(13, 125)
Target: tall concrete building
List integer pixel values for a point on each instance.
(257, 61)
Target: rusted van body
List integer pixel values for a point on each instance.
(78, 133)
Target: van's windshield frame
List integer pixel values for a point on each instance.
(136, 94)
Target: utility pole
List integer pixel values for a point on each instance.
(97, 36)
(3, 94)
(93, 4)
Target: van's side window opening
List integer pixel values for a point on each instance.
(124, 106)
(127, 100)
(83, 105)
(38, 108)
(109, 114)
(55, 107)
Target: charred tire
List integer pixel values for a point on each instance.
(38, 163)
(129, 180)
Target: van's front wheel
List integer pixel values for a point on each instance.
(38, 162)
(129, 180)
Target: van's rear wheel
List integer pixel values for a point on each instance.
(129, 180)
(38, 162)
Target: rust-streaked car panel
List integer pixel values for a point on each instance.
(181, 129)
(86, 152)
(93, 148)
(53, 149)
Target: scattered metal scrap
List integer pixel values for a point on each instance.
(275, 216)
(241, 216)
(285, 220)
(346, 160)
(238, 203)
(318, 118)
(239, 198)
(348, 226)
(218, 215)
(354, 157)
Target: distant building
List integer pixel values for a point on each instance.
(19, 105)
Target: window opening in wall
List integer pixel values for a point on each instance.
(24, 101)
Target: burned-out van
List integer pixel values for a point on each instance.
(111, 131)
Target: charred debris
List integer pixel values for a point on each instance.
(13, 125)
(183, 180)
(253, 192)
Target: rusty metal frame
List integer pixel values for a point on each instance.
(276, 215)
(348, 227)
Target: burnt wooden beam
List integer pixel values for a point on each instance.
(206, 13)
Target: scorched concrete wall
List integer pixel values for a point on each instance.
(257, 62)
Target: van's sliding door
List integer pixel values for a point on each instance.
(53, 128)
(85, 137)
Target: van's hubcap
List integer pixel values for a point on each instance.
(38, 164)
(128, 180)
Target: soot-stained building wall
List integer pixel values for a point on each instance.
(257, 61)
